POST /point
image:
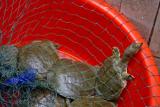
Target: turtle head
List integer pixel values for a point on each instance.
(131, 51)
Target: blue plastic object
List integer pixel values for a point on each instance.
(26, 77)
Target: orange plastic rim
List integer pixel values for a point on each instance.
(86, 30)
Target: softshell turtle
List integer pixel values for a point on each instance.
(8, 60)
(46, 98)
(72, 79)
(91, 101)
(42, 98)
(40, 55)
(113, 76)
(37, 98)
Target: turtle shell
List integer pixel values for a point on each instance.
(91, 101)
(113, 76)
(41, 98)
(72, 79)
(110, 81)
(39, 55)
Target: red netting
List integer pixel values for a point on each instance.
(86, 30)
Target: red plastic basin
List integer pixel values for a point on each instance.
(86, 30)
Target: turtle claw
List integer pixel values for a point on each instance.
(138, 45)
(130, 77)
(127, 76)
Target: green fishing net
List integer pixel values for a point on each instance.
(17, 86)
(8, 61)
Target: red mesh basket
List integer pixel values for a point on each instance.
(86, 30)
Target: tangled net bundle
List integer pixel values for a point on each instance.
(15, 82)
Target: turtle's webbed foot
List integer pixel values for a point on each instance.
(116, 52)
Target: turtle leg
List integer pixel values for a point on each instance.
(115, 52)
(68, 102)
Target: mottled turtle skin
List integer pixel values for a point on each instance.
(8, 60)
(42, 98)
(73, 79)
(91, 101)
(60, 102)
(46, 98)
(40, 55)
(113, 76)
